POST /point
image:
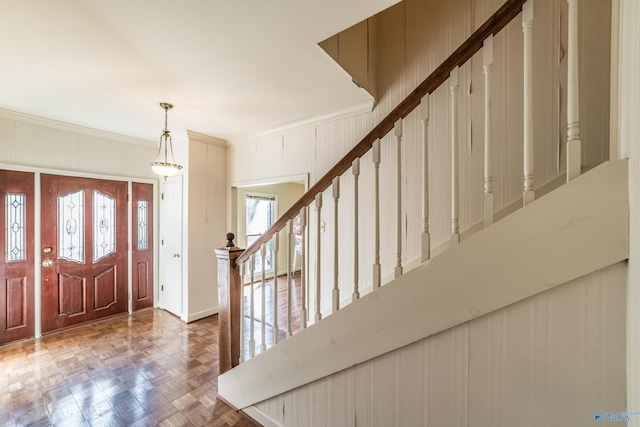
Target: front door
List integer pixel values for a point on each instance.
(16, 255)
(84, 250)
(142, 253)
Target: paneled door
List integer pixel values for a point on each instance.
(142, 252)
(171, 246)
(84, 250)
(16, 255)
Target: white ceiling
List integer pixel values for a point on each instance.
(232, 68)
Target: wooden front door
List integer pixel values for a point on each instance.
(16, 255)
(84, 250)
(142, 253)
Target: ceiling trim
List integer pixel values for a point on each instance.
(70, 127)
(360, 108)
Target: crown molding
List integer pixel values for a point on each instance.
(206, 139)
(359, 108)
(69, 127)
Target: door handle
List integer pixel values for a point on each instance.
(47, 263)
(176, 255)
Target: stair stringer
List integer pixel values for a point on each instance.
(575, 230)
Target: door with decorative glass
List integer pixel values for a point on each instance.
(17, 255)
(142, 253)
(84, 250)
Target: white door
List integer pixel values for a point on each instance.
(171, 245)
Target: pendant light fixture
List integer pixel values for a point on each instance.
(165, 166)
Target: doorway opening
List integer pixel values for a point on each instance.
(260, 213)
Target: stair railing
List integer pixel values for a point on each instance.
(482, 38)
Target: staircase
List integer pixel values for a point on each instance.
(573, 239)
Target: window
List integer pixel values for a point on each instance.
(15, 227)
(71, 226)
(260, 213)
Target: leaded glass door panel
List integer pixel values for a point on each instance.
(84, 245)
(142, 253)
(16, 255)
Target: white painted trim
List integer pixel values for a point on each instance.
(580, 228)
(70, 127)
(72, 173)
(206, 139)
(202, 314)
(614, 104)
(261, 417)
(37, 259)
(360, 108)
(274, 180)
(129, 247)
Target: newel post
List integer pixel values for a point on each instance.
(229, 297)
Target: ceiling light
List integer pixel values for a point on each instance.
(165, 168)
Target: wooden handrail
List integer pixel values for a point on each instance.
(509, 10)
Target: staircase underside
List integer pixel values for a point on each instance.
(577, 229)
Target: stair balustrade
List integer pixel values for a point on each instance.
(448, 71)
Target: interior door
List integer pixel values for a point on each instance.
(142, 251)
(84, 250)
(171, 246)
(16, 255)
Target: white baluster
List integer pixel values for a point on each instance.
(252, 340)
(336, 288)
(290, 248)
(574, 146)
(527, 25)
(318, 231)
(376, 214)
(263, 305)
(355, 169)
(303, 267)
(276, 328)
(398, 134)
(487, 57)
(242, 273)
(455, 187)
(426, 235)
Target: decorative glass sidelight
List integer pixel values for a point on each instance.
(15, 227)
(142, 226)
(104, 225)
(71, 226)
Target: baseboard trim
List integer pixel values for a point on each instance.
(260, 417)
(256, 415)
(202, 314)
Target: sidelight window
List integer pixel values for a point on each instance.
(143, 243)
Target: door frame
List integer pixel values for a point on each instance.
(232, 200)
(232, 214)
(37, 171)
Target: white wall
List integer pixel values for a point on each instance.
(552, 359)
(629, 141)
(47, 144)
(205, 210)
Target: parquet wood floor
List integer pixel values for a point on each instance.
(145, 369)
(281, 295)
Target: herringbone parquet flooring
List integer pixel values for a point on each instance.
(145, 369)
